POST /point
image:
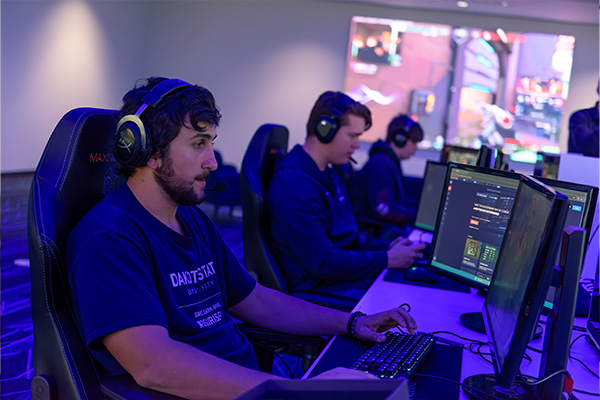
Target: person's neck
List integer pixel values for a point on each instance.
(398, 153)
(154, 199)
(314, 149)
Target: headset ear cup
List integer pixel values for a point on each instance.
(326, 129)
(401, 138)
(402, 135)
(133, 145)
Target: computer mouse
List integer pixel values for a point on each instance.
(422, 275)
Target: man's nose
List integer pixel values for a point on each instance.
(211, 163)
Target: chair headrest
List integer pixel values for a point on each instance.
(75, 171)
(268, 144)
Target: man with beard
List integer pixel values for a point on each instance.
(153, 283)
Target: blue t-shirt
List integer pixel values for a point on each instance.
(126, 269)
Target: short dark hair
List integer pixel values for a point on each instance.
(165, 121)
(325, 104)
(414, 134)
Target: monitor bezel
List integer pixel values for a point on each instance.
(590, 206)
(459, 278)
(448, 147)
(424, 227)
(537, 287)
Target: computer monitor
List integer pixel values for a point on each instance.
(460, 155)
(546, 165)
(473, 215)
(431, 195)
(582, 204)
(520, 283)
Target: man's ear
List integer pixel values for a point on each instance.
(155, 161)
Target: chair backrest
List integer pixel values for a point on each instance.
(75, 171)
(224, 173)
(268, 145)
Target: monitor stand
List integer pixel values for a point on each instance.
(474, 322)
(483, 387)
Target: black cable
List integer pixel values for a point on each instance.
(586, 281)
(527, 357)
(577, 359)
(481, 353)
(275, 353)
(544, 379)
(575, 327)
(574, 340)
(458, 336)
(584, 366)
(456, 383)
(593, 234)
(478, 343)
(296, 368)
(588, 393)
(534, 349)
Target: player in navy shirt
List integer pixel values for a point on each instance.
(154, 285)
(378, 188)
(312, 225)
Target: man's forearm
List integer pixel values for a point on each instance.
(157, 362)
(275, 310)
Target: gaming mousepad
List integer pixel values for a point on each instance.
(444, 361)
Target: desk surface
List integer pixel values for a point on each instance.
(437, 310)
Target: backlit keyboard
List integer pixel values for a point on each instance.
(400, 355)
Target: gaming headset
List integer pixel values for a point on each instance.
(402, 136)
(133, 146)
(328, 125)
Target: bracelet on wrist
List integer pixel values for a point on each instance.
(350, 329)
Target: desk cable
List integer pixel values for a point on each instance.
(578, 360)
(292, 374)
(575, 327)
(474, 346)
(525, 355)
(593, 234)
(570, 356)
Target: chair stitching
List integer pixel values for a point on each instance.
(48, 243)
(68, 153)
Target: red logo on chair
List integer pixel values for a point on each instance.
(101, 157)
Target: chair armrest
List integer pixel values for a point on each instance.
(123, 387)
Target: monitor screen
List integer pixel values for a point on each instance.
(472, 220)
(431, 195)
(522, 274)
(546, 165)
(460, 155)
(466, 86)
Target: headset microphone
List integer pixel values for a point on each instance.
(220, 187)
